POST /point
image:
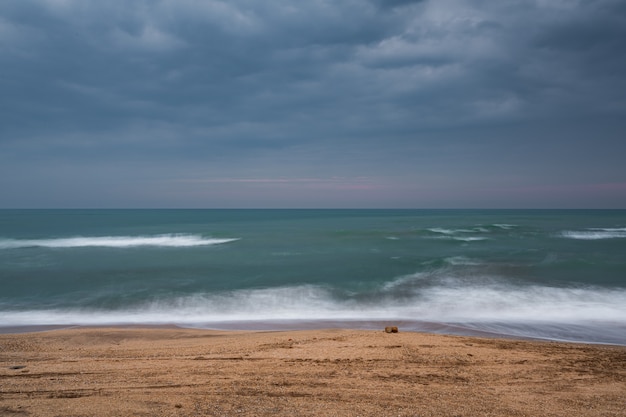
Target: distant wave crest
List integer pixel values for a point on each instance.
(166, 240)
(452, 234)
(596, 234)
(504, 226)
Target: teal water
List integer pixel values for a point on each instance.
(550, 274)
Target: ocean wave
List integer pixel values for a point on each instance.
(459, 296)
(470, 238)
(443, 231)
(166, 240)
(462, 261)
(421, 296)
(457, 234)
(504, 226)
(461, 238)
(596, 234)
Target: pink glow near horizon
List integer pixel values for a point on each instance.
(568, 188)
(338, 183)
(393, 192)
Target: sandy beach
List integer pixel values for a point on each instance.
(185, 372)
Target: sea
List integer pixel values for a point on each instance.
(534, 274)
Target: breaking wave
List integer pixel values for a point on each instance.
(458, 234)
(596, 234)
(481, 303)
(166, 240)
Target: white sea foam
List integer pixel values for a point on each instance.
(450, 231)
(457, 296)
(442, 302)
(453, 234)
(596, 234)
(470, 238)
(442, 231)
(461, 238)
(462, 261)
(536, 303)
(286, 303)
(167, 240)
(454, 297)
(505, 226)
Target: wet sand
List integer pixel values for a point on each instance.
(184, 372)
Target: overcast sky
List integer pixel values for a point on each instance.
(313, 103)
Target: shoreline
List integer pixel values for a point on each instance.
(169, 371)
(506, 331)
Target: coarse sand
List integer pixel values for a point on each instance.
(187, 372)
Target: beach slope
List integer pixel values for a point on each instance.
(185, 372)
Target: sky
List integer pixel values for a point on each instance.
(313, 104)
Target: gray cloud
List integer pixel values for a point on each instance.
(400, 90)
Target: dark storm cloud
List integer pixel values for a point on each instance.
(88, 65)
(283, 88)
